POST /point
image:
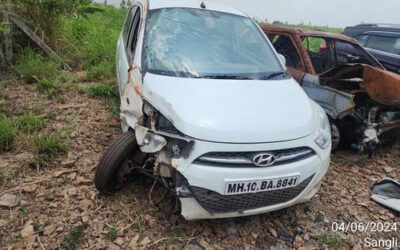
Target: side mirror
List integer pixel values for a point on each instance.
(282, 59)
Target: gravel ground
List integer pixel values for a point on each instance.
(52, 206)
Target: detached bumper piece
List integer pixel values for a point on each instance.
(216, 203)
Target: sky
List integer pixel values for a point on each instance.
(334, 13)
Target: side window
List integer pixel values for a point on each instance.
(285, 46)
(385, 43)
(133, 34)
(348, 53)
(397, 45)
(320, 52)
(362, 39)
(128, 23)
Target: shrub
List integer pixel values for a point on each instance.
(32, 65)
(45, 15)
(102, 71)
(49, 146)
(7, 135)
(333, 241)
(28, 122)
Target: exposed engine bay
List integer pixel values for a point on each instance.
(363, 102)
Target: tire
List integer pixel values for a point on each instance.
(110, 163)
(335, 135)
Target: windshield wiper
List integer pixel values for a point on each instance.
(234, 77)
(274, 74)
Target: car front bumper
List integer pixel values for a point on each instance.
(211, 179)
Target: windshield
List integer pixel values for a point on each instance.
(207, 44)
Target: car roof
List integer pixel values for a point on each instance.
(361, 28)
(194, 4)
(379, 25)
(303, 32)
(384, 33)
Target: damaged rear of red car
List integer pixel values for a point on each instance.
(360, 96)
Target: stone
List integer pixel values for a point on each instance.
(388, 169)
(273, 232)
(8, 200)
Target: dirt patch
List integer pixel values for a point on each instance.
(50, 204)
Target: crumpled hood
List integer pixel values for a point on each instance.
(232, 111)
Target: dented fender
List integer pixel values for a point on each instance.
(337, 104)
(132, 100)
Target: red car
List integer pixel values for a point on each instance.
(360, 96)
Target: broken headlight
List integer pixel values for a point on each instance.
(323, 132)
(160, 121)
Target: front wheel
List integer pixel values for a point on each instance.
(335, 136)
(107, 179)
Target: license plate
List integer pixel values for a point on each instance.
(254, 186)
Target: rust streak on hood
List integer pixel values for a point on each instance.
(382, 86)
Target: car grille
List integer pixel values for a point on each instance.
(214, 202)
(244, 159)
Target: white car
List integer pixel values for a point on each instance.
(208, 109)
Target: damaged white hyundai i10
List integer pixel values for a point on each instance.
(208, 109)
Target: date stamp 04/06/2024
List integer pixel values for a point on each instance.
(372, 227)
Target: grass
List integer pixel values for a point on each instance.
(332, 241)
(90, 42)
(28, 122)
(7, 134)
(48, 87)
(32, 65)
(49, 146)
(100, 90)
(74, 237)
(320, 28)
(85, 42)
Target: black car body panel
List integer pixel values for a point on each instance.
(383, 41)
